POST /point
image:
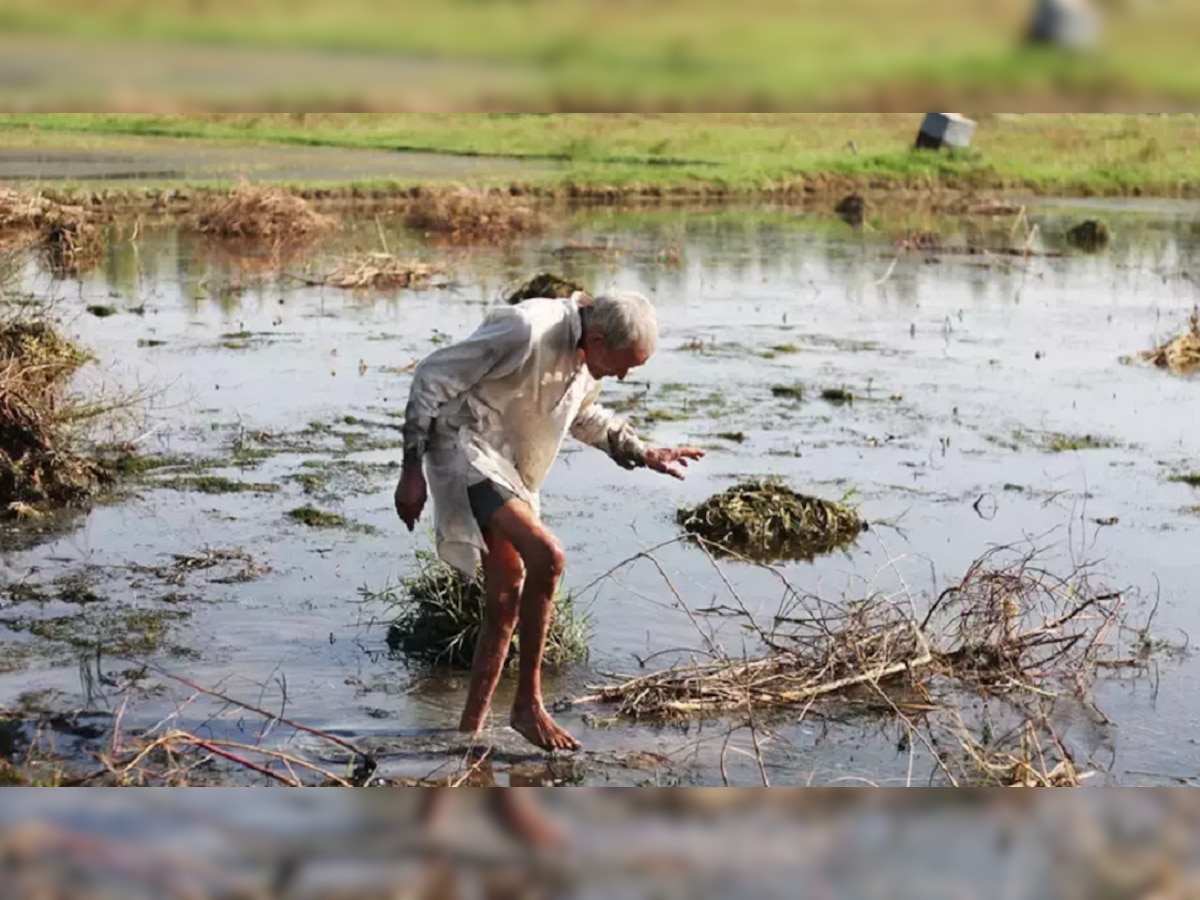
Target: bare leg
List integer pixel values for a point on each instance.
(543, 558)
(519, 813)
(503, 574)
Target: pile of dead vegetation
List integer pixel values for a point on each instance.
(436, 615)
(382, 271)
(765, 519)
(259, 213)
(64, 234)
(39, 465)
(1181, 354)
(544, 284)
(474, 216)
(970, 685)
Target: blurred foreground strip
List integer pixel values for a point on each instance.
(705, 842)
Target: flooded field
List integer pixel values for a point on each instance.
(961, 401)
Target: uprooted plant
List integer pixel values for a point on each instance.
(436, 615)
(971, 682)
(765, 519)
(40, 463)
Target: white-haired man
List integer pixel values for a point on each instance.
(486, 417)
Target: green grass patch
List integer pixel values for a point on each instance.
(788, 391)
(317, 518)
(837, 396)
(437, 614)
(1067, 153)
(1191, 479)
(1062, 443)
(216, 484)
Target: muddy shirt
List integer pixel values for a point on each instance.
(497, 406)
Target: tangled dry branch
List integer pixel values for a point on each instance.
(1009, 633)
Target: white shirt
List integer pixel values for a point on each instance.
(496, 406)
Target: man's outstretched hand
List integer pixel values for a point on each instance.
(410, 496)
(671, 460)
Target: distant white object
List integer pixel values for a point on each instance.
(945, 130)
(1065, 23)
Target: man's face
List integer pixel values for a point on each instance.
(604, 362)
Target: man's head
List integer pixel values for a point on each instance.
(620, 333)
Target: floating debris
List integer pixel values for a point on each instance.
(317, 518)
(852, 210)
(439, 613)
(380, 271)
(837, 396)
(547, 284)
(768, 520)
(1181, 354)
(1090, 236)
(791, 391)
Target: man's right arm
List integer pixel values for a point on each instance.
(498, 348)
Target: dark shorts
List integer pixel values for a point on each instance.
(485, 498)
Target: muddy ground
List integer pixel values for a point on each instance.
(990, 406)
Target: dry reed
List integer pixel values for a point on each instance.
(474, 216)
(259, 213)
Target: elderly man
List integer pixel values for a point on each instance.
(486, 417)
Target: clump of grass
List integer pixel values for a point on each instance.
(474, 216)
(39, 464)
(738, 437)
(101, 311)
(438, 613)
(1090, 235)
(785, 348)
(791, 391)
(852, 210)
(1061, 443)
(382, 271)
(766, 519)
(251, 211)
(545, 284)
(67, 238)
(1191, 479)
(317, 518)
(837, 396)
(1181, 354)
(217, 484)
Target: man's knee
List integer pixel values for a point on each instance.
(546, 557)
(505, 596)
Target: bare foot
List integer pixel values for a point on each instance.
(518, 811)
(535, 725)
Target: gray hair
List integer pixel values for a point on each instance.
(626, 319)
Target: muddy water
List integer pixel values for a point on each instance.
(966, 367)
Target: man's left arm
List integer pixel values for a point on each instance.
(605, 430)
